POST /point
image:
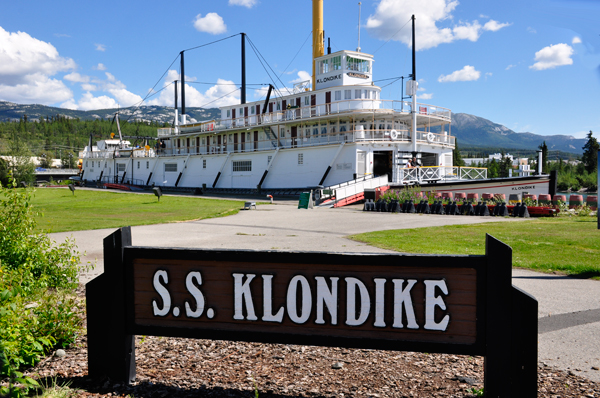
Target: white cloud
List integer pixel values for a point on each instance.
(552, 56)
(77, 78)
(245, 3)
(469, 31)
(302, 77)
(212, 23)
(225, 92)
(494, 26)
(99, 67)
(468, 73)
(100, 47)
(89, 102)
(26, 65)
(89, 87)
(531, 30)
(390, 15)
(510, 66)
(36, 88)
(426, 96)
(576, 40)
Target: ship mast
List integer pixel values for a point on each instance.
(413, 91)
(318, 37)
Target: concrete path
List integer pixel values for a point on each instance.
(569, 309)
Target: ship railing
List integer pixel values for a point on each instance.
(374, 106)
(308, 140)
(95, 154)
(116, 179)
(426, 174)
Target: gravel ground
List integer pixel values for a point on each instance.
(176, 367)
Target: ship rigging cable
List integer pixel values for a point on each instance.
(260, 59)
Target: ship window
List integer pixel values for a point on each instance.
(325, 66)
(120, 167)
(203, 163)
(356, 94)
(147, 165)
(242, 165)
(307, 100)
(228, 113)
(315, 131)
(86, 163)
(138, 166)
(269, 159)
(278, 105)
(358, 65)
(170, 167)
(366, 94)
(336, 62)
(347, 94)
(342, 128)
(252, 110)
(338, 95)
(324, 130)
(300, 158)
(307, 133)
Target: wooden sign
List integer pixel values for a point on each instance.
(446, 304)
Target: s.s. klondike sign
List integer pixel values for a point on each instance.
(427, 303)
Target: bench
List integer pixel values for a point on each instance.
(248, 205)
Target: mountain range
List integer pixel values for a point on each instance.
(471, 131)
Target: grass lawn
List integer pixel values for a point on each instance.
(61, 211)
(568, 245)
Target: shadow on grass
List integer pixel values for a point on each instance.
(149, 389)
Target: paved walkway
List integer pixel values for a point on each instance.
(569, 309)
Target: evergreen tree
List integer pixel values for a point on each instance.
(590, 153)
(544, 149)
(457, 159)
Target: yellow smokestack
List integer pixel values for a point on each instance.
(318, 36)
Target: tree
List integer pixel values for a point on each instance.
(590, 153)
(493, 169)
(544, 149)
(19, 162)
(504, 166)
(457, 159)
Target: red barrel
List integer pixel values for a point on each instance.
(575, 200)
(460, 196)
(487, 196)
(592, 202)
(472, 197)
(562, 198)
(545, 200)
(500, 196)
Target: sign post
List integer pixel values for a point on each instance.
(427, 303)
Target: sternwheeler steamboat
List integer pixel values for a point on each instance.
(333, 134)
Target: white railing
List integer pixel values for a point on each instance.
(308, 112)
(353, 187)
(302, 140)
(418, 175)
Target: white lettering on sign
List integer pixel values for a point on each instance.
(196, 293)
(241, 291)
(432, 301)
(328, 297)
(292, 306)
(402, 299)
(268, 302)
(523, 187)
(299, 306)
(163, 292)
(352, 318)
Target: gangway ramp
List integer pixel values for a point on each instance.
(350, 191)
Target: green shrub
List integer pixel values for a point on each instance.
(38, 279)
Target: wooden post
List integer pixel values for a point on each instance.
(498, 321)
(524, 344)
(111, 351)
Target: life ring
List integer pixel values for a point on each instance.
(430, 137)
(393, 135)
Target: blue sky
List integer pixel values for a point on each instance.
(530, 65)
